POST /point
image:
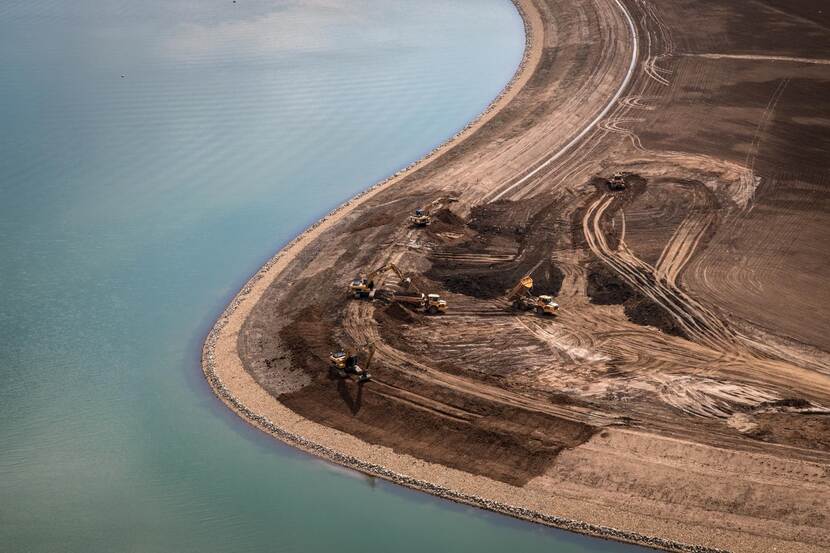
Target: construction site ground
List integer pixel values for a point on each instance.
(683, 389)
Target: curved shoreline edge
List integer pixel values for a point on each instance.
(530, 57)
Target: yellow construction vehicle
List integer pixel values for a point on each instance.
(435, 305)
(422, 217)
(430, 303)
(617, 181)
(544, 305)
(364, 285)
(525, 301)
(521, 289)
(346, 364)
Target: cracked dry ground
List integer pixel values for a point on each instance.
(684, 387)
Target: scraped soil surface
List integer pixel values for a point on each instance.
(684, 385)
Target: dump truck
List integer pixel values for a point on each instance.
(544, 304)
(523, 300)
(347, 364)
(521, 288)
(432, 304)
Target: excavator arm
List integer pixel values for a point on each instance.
(404, 280)
(397, 271)
(371, 353)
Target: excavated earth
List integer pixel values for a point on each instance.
(683, 390)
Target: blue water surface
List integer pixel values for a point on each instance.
(152, 156)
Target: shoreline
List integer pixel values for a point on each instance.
(252, 290)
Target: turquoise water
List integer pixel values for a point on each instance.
(152, 156)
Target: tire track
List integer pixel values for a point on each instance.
(698, 322)
(635, 52)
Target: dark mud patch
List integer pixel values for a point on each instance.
(604, 287)
(794, 429)
(501, 442)
(641, 310)
(793, 402)
(396, 312)
(392, 322)
(309, 338)
(445, 220)
(373, 219)
(560, 398)
(509, 240)
(503, 217)
(495, 281)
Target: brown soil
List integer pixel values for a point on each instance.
(398, 312)
(445, 221)
(506, 444)
(604, 287)
(309, 339)
(796, 429)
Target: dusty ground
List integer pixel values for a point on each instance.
(683, 390)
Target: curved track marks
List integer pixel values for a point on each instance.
(698, 321)
(559, 152)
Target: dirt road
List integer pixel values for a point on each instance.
(683, 389)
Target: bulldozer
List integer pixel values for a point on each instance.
(616, 182)
(523, 300)
(347, 364)
(363, 286)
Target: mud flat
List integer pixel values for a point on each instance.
(680, 399)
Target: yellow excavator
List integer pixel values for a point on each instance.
(364, 285)
(347, 364)
(523, 300)
(422, 217)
